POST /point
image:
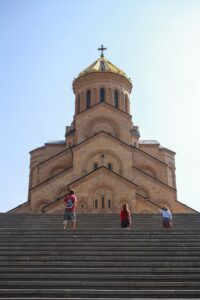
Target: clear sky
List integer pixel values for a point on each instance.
(44, 44)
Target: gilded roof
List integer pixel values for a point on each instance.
(103, 65)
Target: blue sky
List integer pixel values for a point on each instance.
(45, 44)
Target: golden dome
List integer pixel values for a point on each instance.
(103, 65)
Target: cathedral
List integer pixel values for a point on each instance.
(102, 157)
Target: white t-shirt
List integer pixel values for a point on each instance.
(166, 214)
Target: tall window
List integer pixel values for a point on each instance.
(109, 166)
(109, 203)
(78, 104)
(116, 99)
(102, 95)
(95, 166)
(102, 202)
(96, 203)
(88, 99)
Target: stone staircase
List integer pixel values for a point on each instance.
(39, 260)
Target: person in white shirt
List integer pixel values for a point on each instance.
(166, 217)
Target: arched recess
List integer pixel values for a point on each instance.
(78, 104)
(61, 190)
(122, 100)
(149, 170)
(171, 177)
(127, 103)
(163, 203)
(39, 204)
(142, 191)
(56, 170)
(102, 157)
(33, 177)
(143, 205)
(102, 124)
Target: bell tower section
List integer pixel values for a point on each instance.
(102, 103)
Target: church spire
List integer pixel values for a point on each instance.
(102, 49)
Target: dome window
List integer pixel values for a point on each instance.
(110, 166)
(95, 166)
(88, 100)
(116, 99)
(102, 95)
(96, 203)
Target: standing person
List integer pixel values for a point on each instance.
(166, 217)
(125, 216)
(70, 206)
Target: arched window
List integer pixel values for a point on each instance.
(109, 203)
(102, 95)
(88, 99)
(102, 202)
(110, 166)
(78, 104)
(116, 99)
(96, 203)
(95, 166)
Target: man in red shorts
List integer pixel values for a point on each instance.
(70, 206)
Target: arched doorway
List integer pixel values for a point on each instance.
(102, 200)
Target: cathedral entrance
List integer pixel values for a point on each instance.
(102, 201)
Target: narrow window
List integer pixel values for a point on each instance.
(78, 104)
(102, 202)
(109, 203)
(116, 99)
(102, 95)
(95, 166)
(96, 203)
(110, 166)
(88, 99)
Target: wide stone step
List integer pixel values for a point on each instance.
(53, 250)
(102, 277)
(96, 293)
(73, 254)
(86, 298)
(41, 245)
(107, 264)
(100, 259)
(26, 260)
(101, 285)
(84, 270)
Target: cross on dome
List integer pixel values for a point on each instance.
(102, 49)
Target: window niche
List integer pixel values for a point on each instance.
(109, 203)
(109, 166)
(78, 104)
(88, 99)
(96, 203)
(102, 95)
(116, 99)
(95, 166)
